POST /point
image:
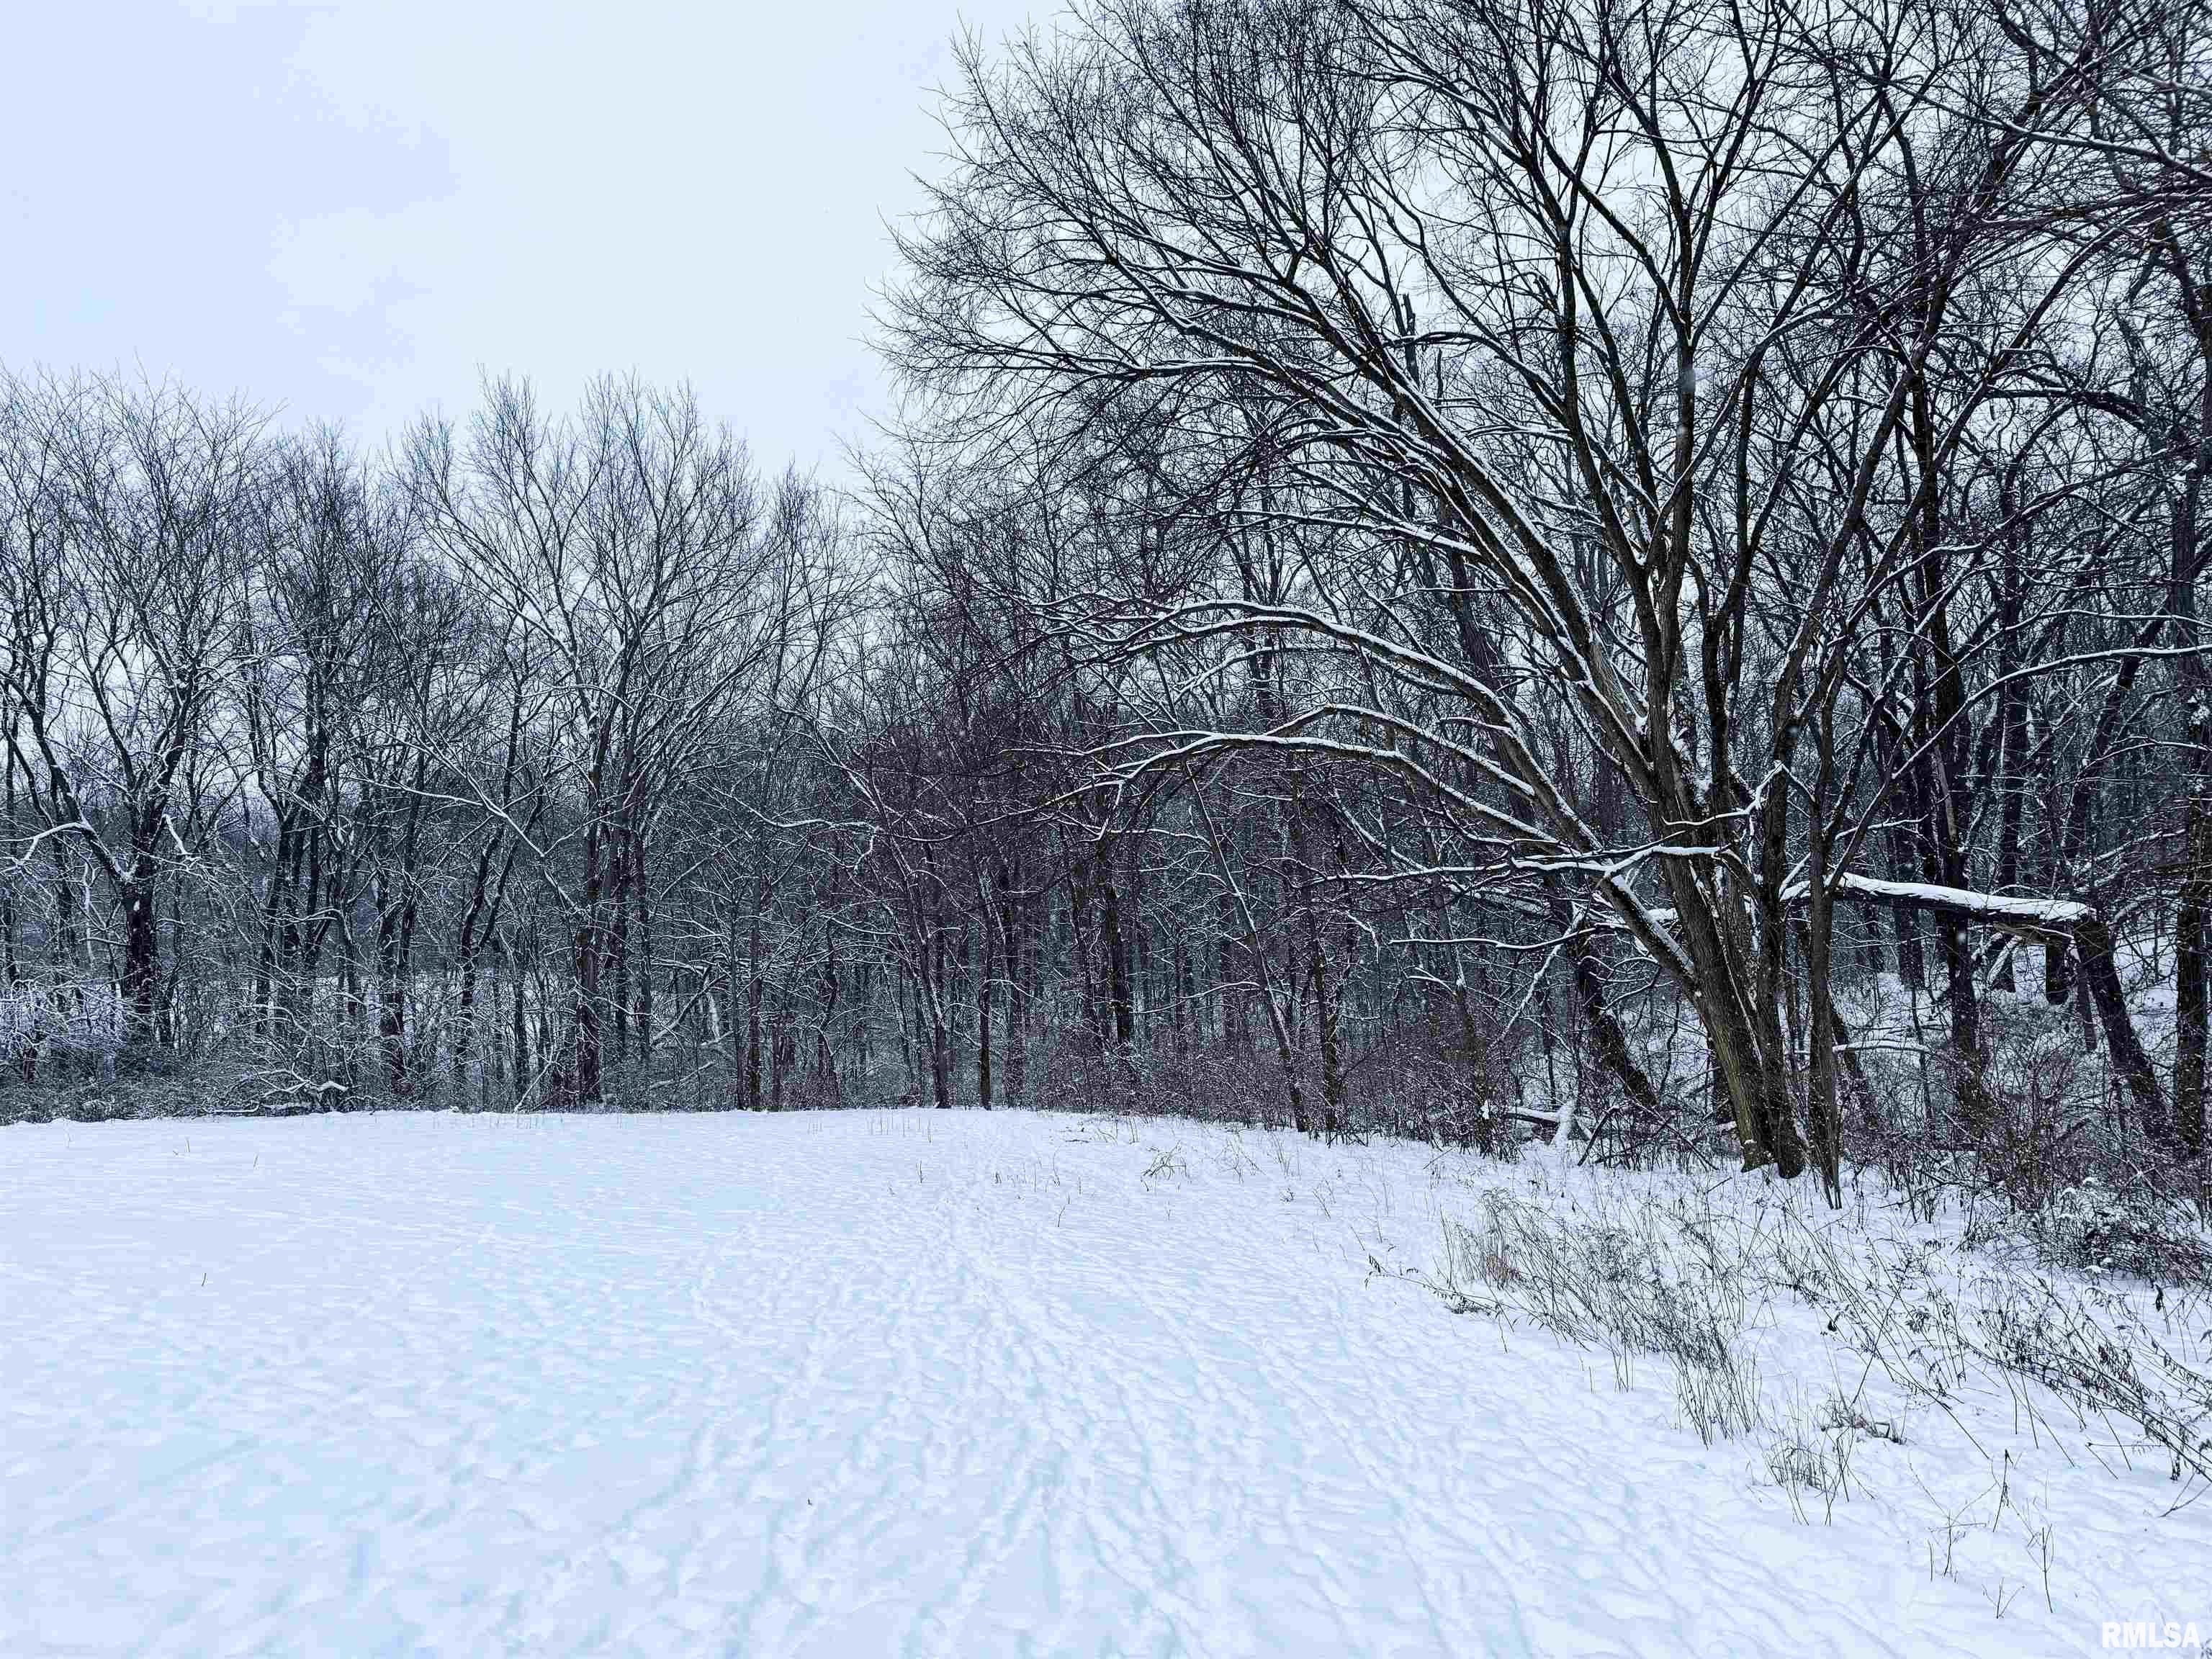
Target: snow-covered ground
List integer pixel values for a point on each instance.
(920, 1382)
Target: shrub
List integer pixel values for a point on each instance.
(1665, 1281)
(2093, 1227)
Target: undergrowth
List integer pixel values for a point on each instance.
(1690, 1274)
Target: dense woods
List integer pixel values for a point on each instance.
(1618, 570)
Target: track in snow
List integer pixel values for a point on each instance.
(899, 1383)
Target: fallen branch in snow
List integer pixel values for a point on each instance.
(2044, 921)
(2035, 920)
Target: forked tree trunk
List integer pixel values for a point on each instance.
(1749, 1072)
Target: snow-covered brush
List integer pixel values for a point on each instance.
(2097, 1354)
(1653, 1280)
(2130, 1366)
(76, 1020)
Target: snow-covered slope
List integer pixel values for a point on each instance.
(908, 1383)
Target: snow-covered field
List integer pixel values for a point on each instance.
(922, 1383)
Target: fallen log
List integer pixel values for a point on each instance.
(2044, 921)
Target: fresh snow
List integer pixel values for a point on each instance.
(921, 1384)
(1994, 908)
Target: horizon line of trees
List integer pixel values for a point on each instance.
(1442, 562)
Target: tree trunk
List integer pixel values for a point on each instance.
(2189, 926)
(2093, 938)
(984, 979)
(1095, 1015)
(141, 946)
(642, 898)
(1611, 1040)
(1116, 949)
(521, 1033)
(1819, 942)
(1017, 1038)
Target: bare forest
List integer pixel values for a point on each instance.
(1619, 573)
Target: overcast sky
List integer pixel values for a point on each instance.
(345, 207)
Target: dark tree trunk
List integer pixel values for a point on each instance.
(1114, 945)
(1017, 1039)
(2192, 1011)
(2093, 938)
(984, 980)
(140, 976)
(618, 968)
(1095, 1015)
(391, 1005)
(1235, 1012)
(1606, 1032)
(521, 1034)
(642, 897)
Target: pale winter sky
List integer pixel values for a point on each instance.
(345, 207)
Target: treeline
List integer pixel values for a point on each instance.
(1633, 569)
(1678, 525)
(452, 775)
